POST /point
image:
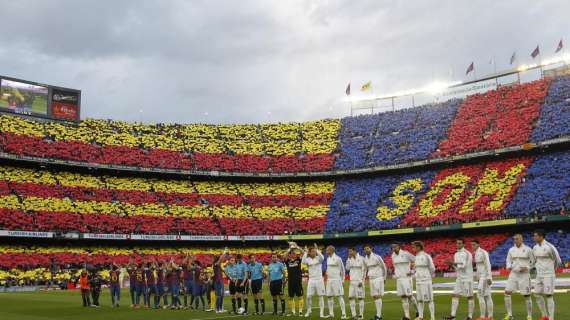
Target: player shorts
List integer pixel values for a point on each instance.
(295, 288)
(424, 291)
(256, 286)
(275, 287)
(356, 290)
(544, 284)
(519, 282)
(376, 287)
(463, 288)
(404, 287)
(237, 287)
(334, 288)
(483, 288)
(316, 287)
(244, 288)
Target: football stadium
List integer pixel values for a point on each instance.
(445, 202)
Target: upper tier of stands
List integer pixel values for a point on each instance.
(508, 116)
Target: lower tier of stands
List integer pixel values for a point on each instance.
(20, 261)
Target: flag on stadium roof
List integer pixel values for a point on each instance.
(348, 89)
(470, 68)
(367, 86)
(560, 46)
(535, 52)
(513, 58)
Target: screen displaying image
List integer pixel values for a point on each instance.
(23, 97)
(65, 105)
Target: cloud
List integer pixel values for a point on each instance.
(259, 61)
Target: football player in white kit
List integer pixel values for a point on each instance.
(376, 277)
(313, 258)
(357, 272)
(335, 282)
(547, 259)
(402, 261)
(463, 265)
(485, 279)
(520, 260)
(424, 270)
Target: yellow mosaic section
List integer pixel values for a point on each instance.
(24, 175)
(312, 137)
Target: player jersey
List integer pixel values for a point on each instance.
(315, 265)
(140, 277)
(150, 276)
(276, 270)
(255, 271)
(402, 263)
(464, 264)
(520, 257)
(161, 276)
(483, 264)
(356, 268)
(375, 265)
(424, 267)
(197, 275)
(232, 271)
(294, 272)
(132, 278)
(188, 274)
(547, 258)
(218, 276)
(114, 277)
(335, 268)
(241, 270)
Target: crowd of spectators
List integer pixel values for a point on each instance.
(44, 200)
(394, 137)
(283, 147)
(554, 120)
(507, 116)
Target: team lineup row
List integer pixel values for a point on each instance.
(191, 279)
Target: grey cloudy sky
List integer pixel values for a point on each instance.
(258, 61)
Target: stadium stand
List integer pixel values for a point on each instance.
(33, 262)
(531, 185)
(45, 200)
(291, 147)
(51, 200)
(508, 116)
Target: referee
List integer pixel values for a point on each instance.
(256, 275)
(294, 279)
(276, 276)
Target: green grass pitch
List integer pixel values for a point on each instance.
(67, 305)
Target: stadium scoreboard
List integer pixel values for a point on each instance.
(39, 100)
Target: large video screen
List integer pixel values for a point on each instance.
(65, 104)
(23, 97)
